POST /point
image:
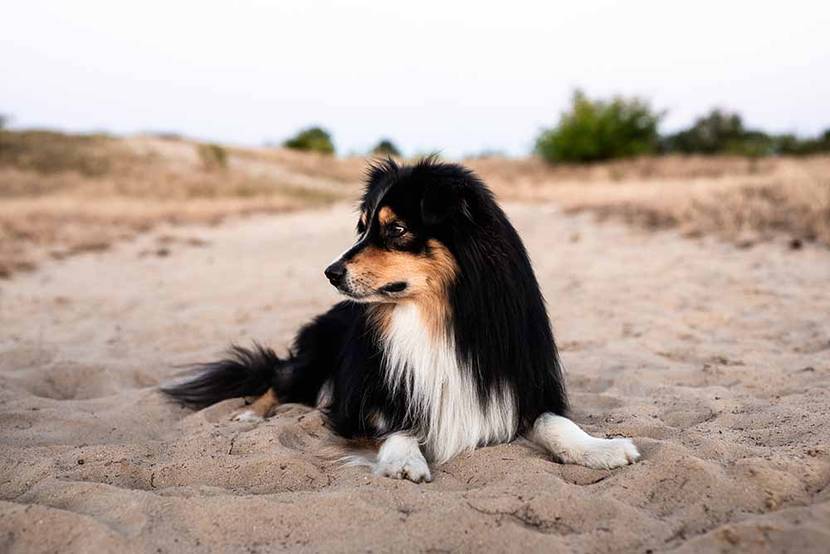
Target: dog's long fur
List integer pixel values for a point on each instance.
(444, 343)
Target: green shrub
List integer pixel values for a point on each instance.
(213, 156)
(386, 148)
(795, 146)
(596, 130)
(721, 132)
(823, 142)
(313, 139)
(717, 132)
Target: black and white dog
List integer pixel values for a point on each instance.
(443, 345)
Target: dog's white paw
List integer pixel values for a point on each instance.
(571, 445)
(608, 453)
(413, 468)
(248, 416)
(400, 457)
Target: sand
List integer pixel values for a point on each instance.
(715, 359)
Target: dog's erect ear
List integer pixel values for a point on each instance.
(441, 200)
(444, 190)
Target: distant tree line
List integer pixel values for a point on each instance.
(593, 130)
(721, 132)
(596, 130)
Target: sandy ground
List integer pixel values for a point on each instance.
(716, 360)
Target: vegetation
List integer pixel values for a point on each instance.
(743, 200)
(716, 132)
(213, 156)
(312, 139)
(597, 130)
(790, 144)
(787, 198)
(386, 148)
(49, 152)
(721, 132)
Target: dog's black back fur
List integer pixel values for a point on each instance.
(501, 327)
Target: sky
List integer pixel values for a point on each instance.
(460, 77)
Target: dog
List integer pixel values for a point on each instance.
(442, 345)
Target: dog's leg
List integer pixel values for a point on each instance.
(400, 457)
(259, 409)
(571, 445)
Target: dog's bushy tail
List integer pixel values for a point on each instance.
(244, 372)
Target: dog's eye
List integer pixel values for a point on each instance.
(396, 230)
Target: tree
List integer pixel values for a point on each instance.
(596, 130)
(313, 139)
(386, 148)
(714, 133)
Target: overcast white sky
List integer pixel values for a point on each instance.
(456, 76)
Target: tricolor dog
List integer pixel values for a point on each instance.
(443, 343)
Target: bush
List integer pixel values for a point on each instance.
(717, 132)
(313, 139)
(4, 120)
(386, 148)
(596, 130)
(721, 132)
(213, 156)
(795, 146)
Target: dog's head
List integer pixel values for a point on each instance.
(406, 216)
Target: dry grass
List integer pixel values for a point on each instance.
(63, 194)
(736, 199)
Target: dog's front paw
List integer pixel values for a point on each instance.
(609, 453)
(413, 468)
(248, 416)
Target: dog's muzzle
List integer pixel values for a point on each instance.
(335, 273)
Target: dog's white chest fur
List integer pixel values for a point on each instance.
(443, 394)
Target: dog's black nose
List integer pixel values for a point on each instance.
(335, 272)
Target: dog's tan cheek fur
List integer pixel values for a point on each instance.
(441, 270)
(429, 277)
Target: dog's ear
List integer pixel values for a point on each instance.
(440, 200)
